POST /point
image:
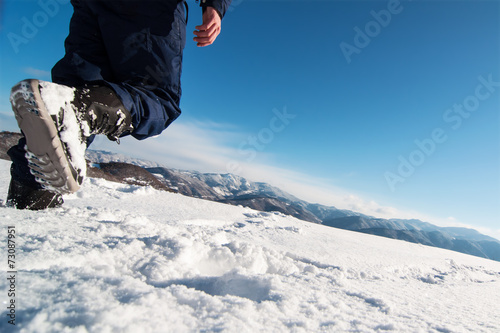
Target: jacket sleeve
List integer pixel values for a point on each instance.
(221, 6)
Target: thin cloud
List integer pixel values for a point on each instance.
(8, 122)
(37, 73)
(211, 147)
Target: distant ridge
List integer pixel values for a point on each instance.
(236, 190)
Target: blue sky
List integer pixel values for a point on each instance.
(385, 107)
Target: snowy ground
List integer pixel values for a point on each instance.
(121, 258)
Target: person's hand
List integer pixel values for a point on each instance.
(209, 30)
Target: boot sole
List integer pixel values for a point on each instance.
(45, 152)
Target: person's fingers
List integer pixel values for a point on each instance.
(208, 40)
(207, 32)
(206, 37)
(206, 26)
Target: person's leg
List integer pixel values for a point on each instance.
(141, 61)
(137, 51)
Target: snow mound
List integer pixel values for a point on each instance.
(124, 258)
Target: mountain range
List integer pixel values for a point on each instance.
(236, 190)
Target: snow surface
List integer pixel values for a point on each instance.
(121, 258)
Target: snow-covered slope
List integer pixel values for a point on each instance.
(123, 258)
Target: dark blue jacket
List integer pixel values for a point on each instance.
(220, 5)
(154, 7)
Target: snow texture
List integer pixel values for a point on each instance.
(57, 99)
(122, 258)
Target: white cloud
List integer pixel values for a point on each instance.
(214, 147)
(207, 147)
(37, 73)
(8, 122)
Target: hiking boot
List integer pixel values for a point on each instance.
(24, 197)
(57, 120)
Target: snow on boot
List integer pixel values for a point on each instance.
(56, 121)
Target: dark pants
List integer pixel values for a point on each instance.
(133, 46)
